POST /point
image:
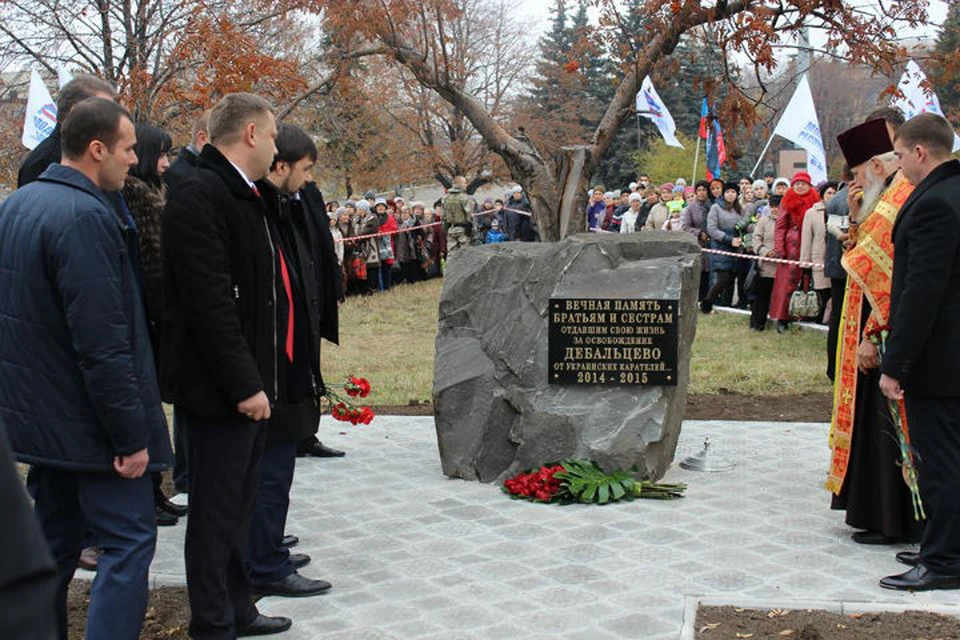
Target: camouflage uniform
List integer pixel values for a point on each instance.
(457, 219)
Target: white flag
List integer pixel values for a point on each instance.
(916, 99)
(799, 125)
(63, 76)
(649, 105)
(41, 116)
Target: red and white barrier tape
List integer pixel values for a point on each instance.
(388, 233)
(744, 256)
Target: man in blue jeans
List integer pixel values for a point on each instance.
(78, 388)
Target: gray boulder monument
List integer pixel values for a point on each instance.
(495, 408)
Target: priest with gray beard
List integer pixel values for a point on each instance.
(865, 476)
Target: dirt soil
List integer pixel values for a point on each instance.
(168, 613)
(729, 623)
(801, 407)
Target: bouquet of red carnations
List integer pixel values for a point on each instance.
(344, 409)
(570, 481)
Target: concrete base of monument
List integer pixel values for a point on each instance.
(575, 349)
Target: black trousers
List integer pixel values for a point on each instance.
(935, 435)
(837, 289)
(225, 458)
(761, 303)
(181, 461)
(722, 289)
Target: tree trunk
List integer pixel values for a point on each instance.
(572, 187)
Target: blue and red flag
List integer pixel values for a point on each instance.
(704, 113)
(716, 149)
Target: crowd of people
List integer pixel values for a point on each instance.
(769, 218)
(210, 283)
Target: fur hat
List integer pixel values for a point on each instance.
(734, 186)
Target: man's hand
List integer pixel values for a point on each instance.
(132, 466)
(890, 387)
(854, 199)
(256, 407)
(867, 356)
(737, 242)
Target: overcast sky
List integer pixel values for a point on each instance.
(537, 13)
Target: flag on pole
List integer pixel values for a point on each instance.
(916, 99)
(716, 153)
(649, 105)
(41, 116)
(799, 125)
(704, 112)
(63, 76)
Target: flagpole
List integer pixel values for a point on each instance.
(762, 153)
(696, 159)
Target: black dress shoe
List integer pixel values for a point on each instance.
(909, 558)
(299, 560)
(874, 537)
(174, 509)
(320, 450)
(920, 578)
(265, 626)
(289, 541)
(293, 586)
(165, 519)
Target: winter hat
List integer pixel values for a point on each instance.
(865, 141)
(678, 188)
(495, 223)
(382, 201)
(667, 186)
(801, 176)
(517, 189)
(350, 203)
(731, 186)
(339, 212)
(488, 201)
(398, 200)
(681, 182)
(780, 181)
(633, 185)
(417, 203)
(636, 197)
(369, 194)
(759, 184)
(688, 190)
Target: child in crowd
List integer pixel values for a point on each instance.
(494, 234)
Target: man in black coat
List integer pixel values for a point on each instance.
(47, 152)
(78, 384)
(921, 362)
(297, 218)
(189, 156)
(219, 357)
(28, 576)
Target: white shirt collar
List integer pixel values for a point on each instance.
(242, 174)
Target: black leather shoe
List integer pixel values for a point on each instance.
(165, 519)
(909, 558)
(173, 509)
(874, 537)
(920, 579)
(265, 626)
(299, 560)
(320, 450)
(293, 586)
(289, 541)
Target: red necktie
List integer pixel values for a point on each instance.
(256, 191)
(285, 275)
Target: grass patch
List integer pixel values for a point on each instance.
(389, 339)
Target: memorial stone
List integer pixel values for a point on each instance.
(574, 349)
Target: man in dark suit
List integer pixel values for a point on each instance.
(219, 356)
(297, 217)
(47, 152)
(189, 156)
(922, 358)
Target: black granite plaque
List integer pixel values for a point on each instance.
(613, 341)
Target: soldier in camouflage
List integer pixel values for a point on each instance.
(457, 216)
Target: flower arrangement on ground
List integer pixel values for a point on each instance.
(344, 408)
(569, 481)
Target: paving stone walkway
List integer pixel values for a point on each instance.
(412, 554)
